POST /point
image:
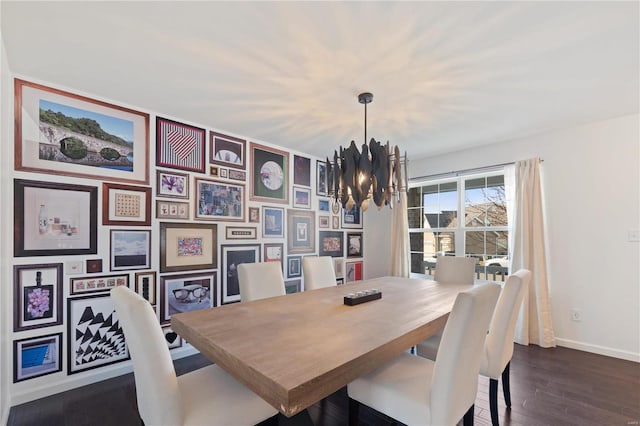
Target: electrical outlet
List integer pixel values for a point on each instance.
(633, 235)
(576, 315)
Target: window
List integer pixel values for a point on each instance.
(460, 216)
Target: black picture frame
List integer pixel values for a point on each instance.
(301, 171)
(49, 216)
(331, 243)
(38, 296)
(294, 266)
(232, 256)
(227, 150)
(322, 178)
(355, 247)
(37, 356)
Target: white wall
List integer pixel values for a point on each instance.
(592, 199)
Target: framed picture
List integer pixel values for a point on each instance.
(224, 173)
(353, 271)
(179, 146)
(301, 231)
(323, 221)
(219, 200)
(322, 179)
(54, 219)
(292, 286)
(237, 175)
(331, 243)
(146, 285)
(172, 210)
(51, 136)
(172, 184)
(269, 174)
(37, 294)
(272, 222)
(227, 150)
(173, 339)
(335, 206)
(74, 267)
(301, 198)
(130, 249)
(301, 171)
(186, 293)
(273, 252)
(83, 285)
(294, 266)
(354, 244)
(352, 219)
(323, 205)
(126, 205)
(254, 214)
(37, 356)
(338, 267)
(241, 233)
(94, 335)
(214, 171)
(188, 246)
(232, 256)
(94, 266)
(335, 222)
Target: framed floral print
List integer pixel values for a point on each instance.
(65, 134)
(227, 150)
(172, 184)
(37, 293)
(269, 174)
(179, 146)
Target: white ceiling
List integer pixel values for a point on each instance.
(445, 75)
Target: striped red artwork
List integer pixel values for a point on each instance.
(180, 146)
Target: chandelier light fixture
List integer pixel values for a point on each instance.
(374, 174)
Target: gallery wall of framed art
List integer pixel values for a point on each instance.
(163, 206)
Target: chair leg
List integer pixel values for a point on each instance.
(467, 420)
(493, 401)
(354, 408)
(506, 388)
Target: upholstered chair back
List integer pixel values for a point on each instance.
(318, 272)
(260, 280)
(455, 269)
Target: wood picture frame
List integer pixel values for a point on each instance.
(274, 252)
(97, 284)
(176, 210)
(54, 219)
(301, 231)
(172, 184)
(37, 295)
(145, 286)
(94, 266)
(227, 150)
(301, 197)
(180, 146)
(331, 243)
(240, 175)
(95, 336)
(241, 232)
(323, 222)
(232, 256)
(186, 293)
(254, 214)
(188, 246)
(130, 249)
(53, 136)
(355, 244)
(301, 171)
(126, 205)
(221, 201)
(269, 174)
(37, 356)
(272, 222)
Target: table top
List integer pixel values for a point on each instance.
(296, 349)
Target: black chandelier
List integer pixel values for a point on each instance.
(375, 174)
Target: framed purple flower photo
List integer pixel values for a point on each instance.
(171, 184)
(38, 296)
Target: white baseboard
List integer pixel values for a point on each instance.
(78, 380)
(597, 349)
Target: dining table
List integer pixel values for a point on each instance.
(297, 349)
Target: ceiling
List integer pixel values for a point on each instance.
(445, 76)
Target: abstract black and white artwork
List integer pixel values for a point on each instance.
(95, 337)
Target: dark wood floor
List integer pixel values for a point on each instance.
(548, 387)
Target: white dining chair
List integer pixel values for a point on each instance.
(499, 344)
(260, 280)
(418, 391)
(207, 396)
(455, 269)
(318, 272)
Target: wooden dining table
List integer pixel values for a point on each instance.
(297, 349)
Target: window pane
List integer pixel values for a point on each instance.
(439, 244)
(485, 203)
(474, 242)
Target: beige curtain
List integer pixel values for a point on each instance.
(400, 238)
(528, 251)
